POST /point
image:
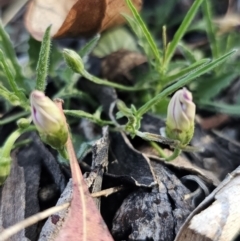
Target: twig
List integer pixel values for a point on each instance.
(7, 233)
(107, 192)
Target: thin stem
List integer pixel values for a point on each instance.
(160, 151)
(99, 81)
(175, 154)
(8, 145)
(21, 143)
(164, 39)
(83, 114)
(157, 138)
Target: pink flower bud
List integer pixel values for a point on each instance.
(180, 116)
(48, 119)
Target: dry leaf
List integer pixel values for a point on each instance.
(216, 218)
(119, 64)
(74, 17)
(228, 23)
(84, 222)
(113, 12)
(12, 199)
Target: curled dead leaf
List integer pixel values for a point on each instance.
(118, 65)
(74, 17)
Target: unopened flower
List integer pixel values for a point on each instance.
(73, 60)
(180, 117)
(49, 120)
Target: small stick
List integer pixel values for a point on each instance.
(7, 233)
(107, 192)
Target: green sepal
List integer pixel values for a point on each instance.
(55, 140)
(184, 136)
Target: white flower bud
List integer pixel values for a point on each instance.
(48, 119)
(180, 117)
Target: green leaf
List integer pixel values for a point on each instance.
(161, 15)
(6, 46)
(9, 96)
(221, 107)
(142, 41)
(124, 110)
(146, 33)
(182, 29)
(161, 107)
(185, 71)
(89, 46)
(43, 61)
(55, 58)
(112, 41)
(10, 74)
(8, 71)
(210, 28)
(184, 81)
(187, 53)
(208, 87)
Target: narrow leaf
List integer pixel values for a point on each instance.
(142, 41)
(43, 61)
(182, 29)
(187, 52)
(184, 81)
(208, 88)
(210, 28)
(185, 71)
(221, 107)
(88, 48)
(9, 72)
(6, 46)
(145, 31)
(9, 96)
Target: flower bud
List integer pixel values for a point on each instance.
(73, 61)
(180, 117)
(49, 120)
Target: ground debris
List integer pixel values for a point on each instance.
(155, 214)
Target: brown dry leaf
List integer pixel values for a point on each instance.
(119, 64)
(113, 12)
(182, 163)
(84, 222)
(74, 17)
